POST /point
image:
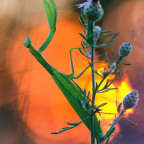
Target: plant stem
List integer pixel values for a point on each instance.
(113, 124)
(90, 32)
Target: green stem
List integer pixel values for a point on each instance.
(112, 125)
(90, 32)
(118, 61)
(47, 41)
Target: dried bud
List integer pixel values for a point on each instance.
(93, 11)
(125, 49)
(130, 100)
(96, 30)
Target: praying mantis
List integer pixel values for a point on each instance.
(77, 97)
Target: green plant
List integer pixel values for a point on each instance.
(77, 97)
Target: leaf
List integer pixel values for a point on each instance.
(107, 59)
(82, 22)
(83, 53)
(106, 31)
(108, 89)
(74, 123)
(131, 122)
(63, 129)
(111, 132)
(118, 108)
(82, 14)
(103, 104)
(100, 55)
(106, 85)
(79, 101)
(125, 63)
(98, 74)
(114, 57)
(121, 70)
(114, 78)
(73, 126)
(82, 36)
(106, 36)
(69, 89)
(48, 12)
(107, 140)
(53, 13)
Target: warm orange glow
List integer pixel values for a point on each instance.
(48, 109)
(110, 97)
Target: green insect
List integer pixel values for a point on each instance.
(71, 90)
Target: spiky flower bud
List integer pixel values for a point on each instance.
(93, 11)
(96, 31)
(130, 100)
(125, 49)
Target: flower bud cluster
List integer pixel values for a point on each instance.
(130, 100)
(93, 11)
(96, 31)
(125, 49)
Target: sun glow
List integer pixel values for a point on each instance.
(112, 97)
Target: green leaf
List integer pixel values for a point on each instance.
(101, 55)
(107, 140)
(111, 132)
(53, 13)
(69, 89)
(82, 14)
(106, 85)
(106, 36)
(118, 108)
(98, 73)
(82, 36)
(63, 129)
(131, 122)
(83, 53)
(48, 12)
(121, 70)
(107, 59)
(114, 78)
(125, 63)
(75, 124)
(82, 22)
(108, 89)
(101, 105)
(106, 31)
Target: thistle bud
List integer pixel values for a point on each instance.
(125, 49)
(130, 100)
(93, 11)
(96, 30)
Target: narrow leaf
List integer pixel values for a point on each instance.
(103, 104)
(111, 132)
(82, 22)
(118, 108)
(48, 12)
(125, 63)
(107, 59)
(53, 13)
(100, 55)
(82, 36)
(107, 140)
(98, 74)
(131, 122)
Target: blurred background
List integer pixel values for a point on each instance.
(31, 105)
